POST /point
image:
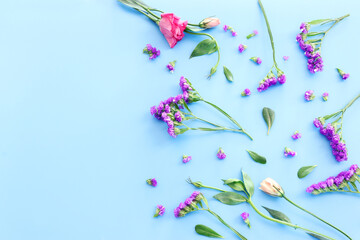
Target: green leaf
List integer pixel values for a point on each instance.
(315, 22)
(230, 198)
(256, 157)
(249, 185)
(269, 117)
(228, 74)
(235, 184)
(194, 28)
(278, 215)
(310, 34)
(304, 171)
(206, 46)
(206, 231)
(318, 236)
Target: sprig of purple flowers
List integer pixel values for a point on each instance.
(195, 203)
(311, 42)
(175, 112)
(345, 181)
(275, 75)
(333, 131)
(151, 51)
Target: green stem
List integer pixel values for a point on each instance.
(152, 18)
(228, 116)
(227, 225)
(269, 31)
(337, 20)
(287, 199)
(217, 46)
(285, 223)
(350, 103)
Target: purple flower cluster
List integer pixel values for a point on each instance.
(271, 80)
(227, 27)
(169, 110)
(189, 205)
(186, 158)
(335, 183)
(242, 47)
(160, 210)
(221, 154)
(245, 215)
(151, 51)
(337, 144)
(315, 62)
(296, 135)
(309, 95)
(289, 153)
(152, 182)
(246, 92)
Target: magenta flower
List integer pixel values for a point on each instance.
(286, 58)
(221, 154)
(189, 205)
(152, 182)
(245, 217)
(242, 48)
(151, 51)
(254, 33)
(343, 75)
(309, 95)
(171, 66)
(226, 27)
(289, 153)
(325, 96)
(296, 135)
(256, 60)
(246, 92)
(186, 158)
(160, 210)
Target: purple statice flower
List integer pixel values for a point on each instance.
(337, 144)
(152, 182)
(178, 116)
(343, 75)
(286, 58)
(315, 62)
(233, 33)
(242, 47)
(189, 205)
(289, 153)
(309, 95)
(281, 79)
(296, 135)
(171, 66)
(186, 158)
(325, 96)
(245, 217)
(337, 182)
(221, 154)
(256, 60)
(246, 92)
(304, 28)
(160, 210)
(226, 27)
(254, 33)
(151, 51)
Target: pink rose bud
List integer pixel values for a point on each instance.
(209, 22)
(269, 186)
(172, 28)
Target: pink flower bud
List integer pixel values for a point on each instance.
(269, 186)
(209, 22)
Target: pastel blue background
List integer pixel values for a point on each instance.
(77, 141)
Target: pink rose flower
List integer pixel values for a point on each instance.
(172, 28)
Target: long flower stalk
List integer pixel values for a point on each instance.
(250, 202)
(275, 74)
